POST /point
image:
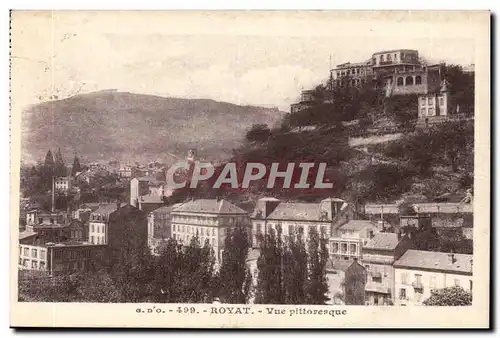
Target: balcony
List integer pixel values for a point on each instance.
(417, 285)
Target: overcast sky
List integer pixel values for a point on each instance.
(257, 58)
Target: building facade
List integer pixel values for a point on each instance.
(209, 219)
(347, 242)
(297, 218)
(63, 184)
(159, 226)
(417, 273)
(379, 255)
(59, 258)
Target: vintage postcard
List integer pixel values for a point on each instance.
(250, 169)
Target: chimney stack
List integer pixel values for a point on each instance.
(452, 258)
(53, 208)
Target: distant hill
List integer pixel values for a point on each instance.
(108, 125)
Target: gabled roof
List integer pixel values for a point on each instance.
(357, 225)
(296, 211)
(211, 206)
(437, 261)
(383, 241)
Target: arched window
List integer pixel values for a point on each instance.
(409, 80)
(389, 57)
(400, 81)
(418, 80)
(381, 58)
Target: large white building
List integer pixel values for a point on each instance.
(210, 219)
(294, 218)
(418, 272)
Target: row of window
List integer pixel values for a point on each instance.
(353, 248)
(34, 253)
(194, 219)
(98, 228)
(432, 280)
(207, 231)
(34, 264)
(408, 81)
(292, 229)
(353, 82)
(430, 101)
(98, 217)
(355, 71)
(97, 239)
(186, 239)
(71, 254)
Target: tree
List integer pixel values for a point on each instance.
(295, 270)
(233, 272)
(317, 285)
(269, 289)
(59, 166)
(76, 166)
(48, 171)
(451, 296)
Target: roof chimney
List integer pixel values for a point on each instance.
(452, 258)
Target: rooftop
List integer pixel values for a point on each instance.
(106, 209)
(151, 199)
(296, 211)
(211, 206)
(357, 225)
(383, 241)
(381, 208)
(443, 207)
(166, 208)
(338, 265)
(26, 234)
(430, 260)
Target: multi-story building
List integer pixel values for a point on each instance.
(295, 218)
(159, 226)
(209, 219)
(436, 106)
(379, 255)
(351, 74)
(57, 258)
(418, 272)
(307, 100)
(98, 222)
(126, 230)
(347, 242)
(346, 282)
(37, 216)
(126, 171)
(63, 184)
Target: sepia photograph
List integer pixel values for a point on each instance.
(314, 169)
